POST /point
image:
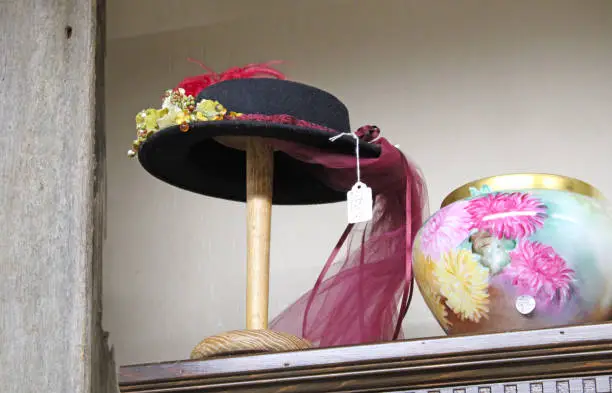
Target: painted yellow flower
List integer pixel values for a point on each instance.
(424, 268)
(464, 283)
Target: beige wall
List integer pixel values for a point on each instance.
(467, 88)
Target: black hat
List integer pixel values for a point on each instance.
(181, 144)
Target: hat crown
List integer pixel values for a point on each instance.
(280, 97)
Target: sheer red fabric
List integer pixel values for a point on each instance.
(365, 287)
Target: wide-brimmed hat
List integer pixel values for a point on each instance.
(188, 141)
(191, 143)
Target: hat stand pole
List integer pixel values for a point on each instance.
(259, 175)
(256, 338)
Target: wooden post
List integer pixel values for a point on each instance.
(260, 161)
(52, 197)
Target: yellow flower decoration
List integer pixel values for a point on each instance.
(177, 109)
(182, 117)
(424, 268)
(169, 117)
(210, 110)
(464, 283)
(200, 117)
(147, 119)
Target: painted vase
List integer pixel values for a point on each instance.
(517, 252)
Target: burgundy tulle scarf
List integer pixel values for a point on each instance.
(365, 287)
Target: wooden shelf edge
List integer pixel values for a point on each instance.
(413, 364)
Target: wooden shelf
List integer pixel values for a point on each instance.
(578, 357)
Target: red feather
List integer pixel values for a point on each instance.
(195, 84)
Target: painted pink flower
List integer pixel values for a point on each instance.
(445, 230)
(507, 215)
(540, 272)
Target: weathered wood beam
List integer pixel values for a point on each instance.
(52, 170)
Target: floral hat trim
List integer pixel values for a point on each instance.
(179, 105)
(178, 109)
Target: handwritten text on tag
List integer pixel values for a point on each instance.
(359, 201)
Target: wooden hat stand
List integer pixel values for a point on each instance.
(256, 338)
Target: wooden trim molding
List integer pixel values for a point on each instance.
(557, 357)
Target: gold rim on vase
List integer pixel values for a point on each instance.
(518, 181)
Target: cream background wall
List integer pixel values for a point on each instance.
(467, 88)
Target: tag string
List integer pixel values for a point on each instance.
(333, 138)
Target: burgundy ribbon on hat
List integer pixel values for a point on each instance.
(368, 276)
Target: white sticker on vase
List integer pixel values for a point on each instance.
(525, 304)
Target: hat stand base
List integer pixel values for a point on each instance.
(247, 342)
(257, 338)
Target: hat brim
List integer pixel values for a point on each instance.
(196, 162)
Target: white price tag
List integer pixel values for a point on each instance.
(359, 201)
